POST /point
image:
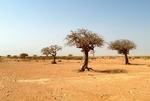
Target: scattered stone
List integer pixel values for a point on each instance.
(131, 92)
(14, 80)
(7, 95)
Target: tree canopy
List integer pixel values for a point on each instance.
(123, 46)
(23, 55)
(85, 39)
(51, 50)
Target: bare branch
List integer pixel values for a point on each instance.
(52, 50)
(85, 39)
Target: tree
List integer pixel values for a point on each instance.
(15, 56)
(45, 51)
(51, 50)
(35, 57)
(23, 55)
(9, 56)
(123, 46)
(86, 40)
(69, 56)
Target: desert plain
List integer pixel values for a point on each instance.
(110, 80)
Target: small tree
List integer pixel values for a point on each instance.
(51, 50)
(15, 57)
(123, 46)
(35, 57)
(45, 51)
(23, 55)
(9, 56)
(69, 56)
(86, 40)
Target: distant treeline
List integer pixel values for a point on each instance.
(47, 57)
(74, 57)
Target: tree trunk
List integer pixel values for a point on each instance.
(54, 59)
(84, 61)
(126, 59)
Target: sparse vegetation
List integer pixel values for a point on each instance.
(86, 40)
(69, 56)
(8, 56)
(123, 46)
(15, 57)
(23, 55)
(106, 72)
(51, 50)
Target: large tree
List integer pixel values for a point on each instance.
(123, 46)
(86, 40)
(51, 50)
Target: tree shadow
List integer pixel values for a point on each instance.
(111, 71)
(138, 64)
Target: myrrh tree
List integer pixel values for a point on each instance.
(51, 50)
(123, 46)
(86, 40)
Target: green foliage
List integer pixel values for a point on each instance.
(77, 58)
(9, 56)
(70, 55)
(15, 57)
(23, 55)
(123, 46)
(72, 58)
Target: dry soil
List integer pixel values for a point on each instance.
(110, 80)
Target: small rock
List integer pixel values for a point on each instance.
(14, 80)
(131, 92)
(7, 95)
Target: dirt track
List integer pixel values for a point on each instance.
(111, 80)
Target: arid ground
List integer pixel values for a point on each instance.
(110, 80)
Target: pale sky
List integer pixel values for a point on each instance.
(27, 26)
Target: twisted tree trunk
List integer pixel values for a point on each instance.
(54, 59)
(126, 59)
(85, 62)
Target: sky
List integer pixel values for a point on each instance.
(27, 26)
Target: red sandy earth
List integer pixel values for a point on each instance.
(43, 81)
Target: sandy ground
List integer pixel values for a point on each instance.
(111, 80)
